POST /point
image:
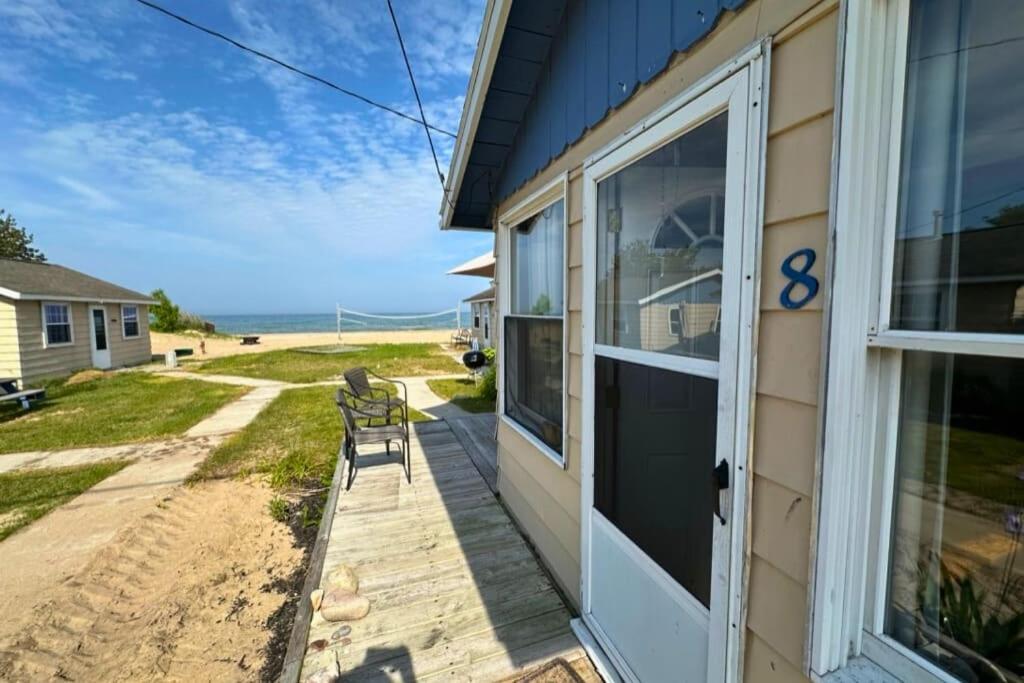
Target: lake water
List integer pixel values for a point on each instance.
(327, 322)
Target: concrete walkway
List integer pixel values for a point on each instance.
(427, 402)
(229, 419)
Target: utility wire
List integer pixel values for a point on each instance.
(313, 77)
(419, 103)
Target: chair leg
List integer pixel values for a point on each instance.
(351, 466)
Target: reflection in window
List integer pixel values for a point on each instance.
(660, 234)
(533, 327)
(956, 595)
(538, 260)
(960, 233)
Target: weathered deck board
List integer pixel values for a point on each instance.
(476, 434)
(455, 592)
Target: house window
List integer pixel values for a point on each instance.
(675, 325)
(130, 321)
(57, 324)
(940, 375)
(476, 317)
(533, 327)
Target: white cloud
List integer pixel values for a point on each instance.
(94, 198)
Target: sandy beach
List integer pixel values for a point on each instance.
(217, 347)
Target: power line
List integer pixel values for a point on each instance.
(419, 103)
(313, 77)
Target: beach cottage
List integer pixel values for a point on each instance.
(54, 320)
(760, 291)
(482, 311)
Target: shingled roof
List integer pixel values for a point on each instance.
(25, 280)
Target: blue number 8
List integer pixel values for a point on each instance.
(799, 277)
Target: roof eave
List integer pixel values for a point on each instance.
(28, 296)
(491, 32)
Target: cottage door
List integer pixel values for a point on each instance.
(99, 342)
(668, 283)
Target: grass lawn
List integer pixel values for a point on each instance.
(293, 365)
(981, 464)
(462, 392)
(113, 409)
(27, 496)
(294, 440)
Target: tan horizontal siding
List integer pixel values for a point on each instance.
(130, 351)
(798, 171)
(38, 362)
(765, 665)
(10, 357)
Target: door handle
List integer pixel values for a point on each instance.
(720, 481)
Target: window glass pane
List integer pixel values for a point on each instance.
(660, 229)
(960, 229)
(654, 452)
(537, 261)
(533, 377)
(956, 594)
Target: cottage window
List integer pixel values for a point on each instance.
(57, 324)
(940, 371)
(130, 321)
(533, 324)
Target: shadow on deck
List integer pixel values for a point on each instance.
(455, 592)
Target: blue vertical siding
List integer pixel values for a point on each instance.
(562, 67)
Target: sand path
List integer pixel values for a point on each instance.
(217, 347)
(140, 577)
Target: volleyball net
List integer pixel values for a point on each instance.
(350, 320)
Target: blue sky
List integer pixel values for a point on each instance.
(147, 153)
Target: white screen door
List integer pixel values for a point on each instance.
(98, 338)
(668, 282)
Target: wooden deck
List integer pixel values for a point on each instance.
(455, 592)
(476, 434)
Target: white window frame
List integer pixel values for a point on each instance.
(71, 324)
(858, 465)
(678, 322)
(548, 194)
(124, 319)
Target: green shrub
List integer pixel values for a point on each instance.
(489, 383)
(490, 354)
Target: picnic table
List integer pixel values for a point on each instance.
(250, 339)
(9, 392)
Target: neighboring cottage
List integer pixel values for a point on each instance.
(54, 320)
(482, 309)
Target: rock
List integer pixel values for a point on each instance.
(342, 578)
(341, 632)
(341, 605)
(316, 597)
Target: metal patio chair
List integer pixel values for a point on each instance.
(375, 399)
(353, 411)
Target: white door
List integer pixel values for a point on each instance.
(99, 340)
(669, 229)
(485, 319)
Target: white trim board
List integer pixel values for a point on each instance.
(538, 200)
(495, 18)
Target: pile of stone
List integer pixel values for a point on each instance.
(338, 599)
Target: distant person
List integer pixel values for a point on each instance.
(202, 346)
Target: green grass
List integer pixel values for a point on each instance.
(117, 408)
(464, 393)
(293, 441)
(292, 365)
(27, 496)
(981, 464)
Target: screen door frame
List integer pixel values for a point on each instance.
(742, 81)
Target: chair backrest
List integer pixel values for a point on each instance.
(342, 398)
(358, 382)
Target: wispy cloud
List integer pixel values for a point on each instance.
(198, 156)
